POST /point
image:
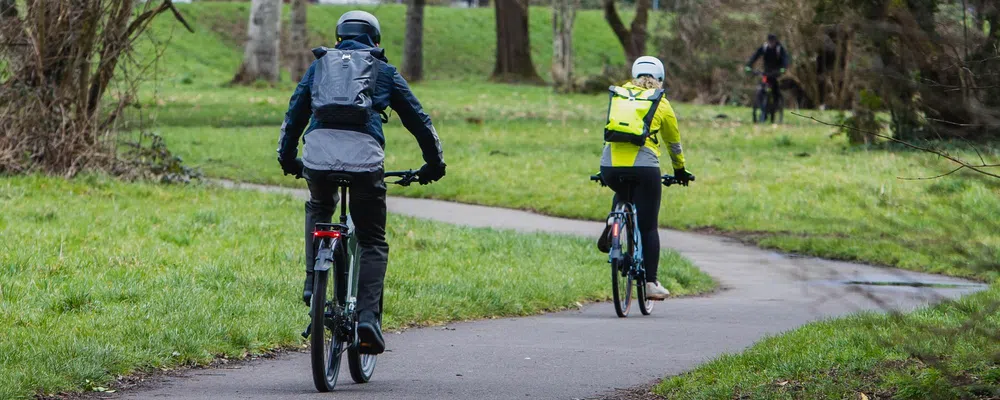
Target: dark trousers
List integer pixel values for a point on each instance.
(645, 195)
(367, 210)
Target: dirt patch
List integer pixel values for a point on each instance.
(644, 392)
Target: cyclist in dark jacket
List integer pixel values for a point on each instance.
(359, 153)
(775, 62)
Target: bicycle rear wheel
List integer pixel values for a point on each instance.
(325, 347)
(621, 279)
(362, 366)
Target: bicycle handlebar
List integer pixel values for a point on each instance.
(667, 179)
(406, 177)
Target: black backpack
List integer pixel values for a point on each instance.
(342, 87)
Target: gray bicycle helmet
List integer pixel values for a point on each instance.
(356, 23)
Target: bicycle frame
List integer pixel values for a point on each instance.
(336, 235)
(625, 213)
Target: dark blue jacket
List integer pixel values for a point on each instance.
(390, 90)
(775, 58)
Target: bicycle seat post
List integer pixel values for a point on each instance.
(343, 204)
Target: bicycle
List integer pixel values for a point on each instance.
(332, 329)
(625, 256)
(762, 101)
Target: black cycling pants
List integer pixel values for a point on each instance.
(645, 195)
(367, 210)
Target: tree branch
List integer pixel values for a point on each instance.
(621, 32)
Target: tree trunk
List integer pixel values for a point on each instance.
(563, 14)
(513, 61)
(413, 48)
(260, 56)
(633, 39)
(299, 46)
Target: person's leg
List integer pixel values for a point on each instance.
(319, 209)
(647, 202)
(367, 205)
(776, 94)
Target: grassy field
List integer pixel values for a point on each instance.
(459, 44)
(870, 354)
(792, 187)
(99, 278)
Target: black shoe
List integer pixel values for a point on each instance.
(307, 292)
(370, 333)
(604, 242)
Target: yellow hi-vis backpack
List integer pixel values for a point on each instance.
(630, 113)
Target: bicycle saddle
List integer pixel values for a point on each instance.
(339, 179)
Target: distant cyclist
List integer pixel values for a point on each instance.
(623, 157)
(775, 62)
(345, 97)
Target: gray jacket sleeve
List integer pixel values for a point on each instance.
(415, 119)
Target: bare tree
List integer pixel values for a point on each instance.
(299, 55)
(632, 39)
(563, 15)
(413, 48)
(260, 55)
(513, 61)
(62, 59)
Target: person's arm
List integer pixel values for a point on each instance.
(670, 135)
(415, 120)
(784, 58)
(757, 54)
(296, 118)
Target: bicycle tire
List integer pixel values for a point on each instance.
(362, 366)
(621, 280)
(645, 305)
(323, 342)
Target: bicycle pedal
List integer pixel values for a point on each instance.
(305, 333)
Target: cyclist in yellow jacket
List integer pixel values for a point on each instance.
(643, 162)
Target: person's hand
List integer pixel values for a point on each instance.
(430, 173)
(291, 166)
(682, 176)
(747, 69)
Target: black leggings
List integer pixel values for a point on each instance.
(645, 195)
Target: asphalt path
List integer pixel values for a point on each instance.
(584, 353)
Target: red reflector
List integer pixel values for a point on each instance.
(326, 234)
(615, 228)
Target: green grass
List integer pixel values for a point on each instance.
(99, 278)
(459, 44)
(792, 187)
(866, 353)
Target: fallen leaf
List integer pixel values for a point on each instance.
(863, 396)
(782, 383)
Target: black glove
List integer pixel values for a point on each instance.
(291, 166)
(430, 173)
(682, 176)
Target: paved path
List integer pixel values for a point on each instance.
(584, 353)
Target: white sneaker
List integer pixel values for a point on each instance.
(656, 291)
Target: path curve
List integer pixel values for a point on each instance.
(583, 353)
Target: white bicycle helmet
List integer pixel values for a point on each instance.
(647, 65)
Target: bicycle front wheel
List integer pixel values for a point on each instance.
(326, 347)
(645, 305)
(362, 366)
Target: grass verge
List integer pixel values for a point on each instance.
(99, 278)
(934, 353)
